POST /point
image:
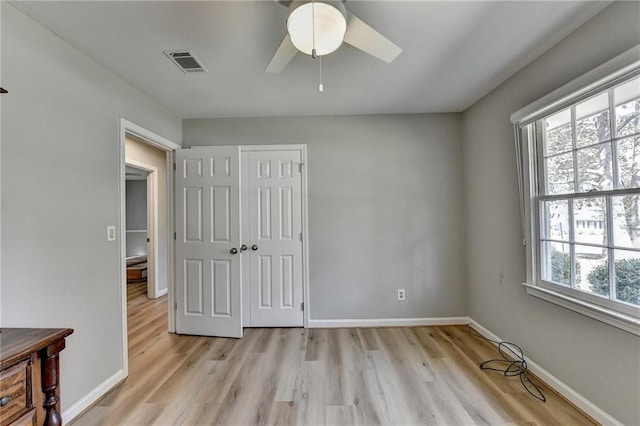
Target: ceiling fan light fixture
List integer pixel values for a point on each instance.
(329, 26)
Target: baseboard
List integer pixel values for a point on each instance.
(89, 399)
(161, 293)
(558, 385)
(386, 322)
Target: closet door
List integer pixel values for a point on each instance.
(208, 250)
(274, 218)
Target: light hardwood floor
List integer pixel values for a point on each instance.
(290, 376)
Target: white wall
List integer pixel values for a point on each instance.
(136, 217)
(385, 208)
(141, 152)
(60, 175)
(599, 361)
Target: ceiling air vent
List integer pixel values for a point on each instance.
(185, 60)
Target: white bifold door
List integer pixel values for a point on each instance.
(238, 239)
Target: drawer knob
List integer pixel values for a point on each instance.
(4, 400)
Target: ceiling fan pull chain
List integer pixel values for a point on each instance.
(321, 86)
(313, 43)
(313, 29)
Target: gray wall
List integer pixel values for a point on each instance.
(136, 209)
(60, 175)
(1, 197)
(599, 361)
(136, 199)
(385, 208)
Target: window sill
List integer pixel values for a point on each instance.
(622, 321)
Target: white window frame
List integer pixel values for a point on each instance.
(610, 74)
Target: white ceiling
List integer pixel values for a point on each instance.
(454, 52)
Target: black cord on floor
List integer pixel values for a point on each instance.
(512, 363)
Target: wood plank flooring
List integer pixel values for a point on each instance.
(292, 376)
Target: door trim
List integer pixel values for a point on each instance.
(128, 127)
(305, 217)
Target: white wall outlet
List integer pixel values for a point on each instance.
(111, 233)
(401, 294)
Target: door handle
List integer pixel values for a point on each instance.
(243, 247)
(233, 251)
(254, 247)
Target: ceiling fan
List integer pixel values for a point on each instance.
(319, 27)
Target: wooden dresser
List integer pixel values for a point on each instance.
(30, 375)
(136, 269)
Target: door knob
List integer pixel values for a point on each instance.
(254, 247)
(233, 251)
(243, 247)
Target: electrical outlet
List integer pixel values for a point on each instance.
(401, 294)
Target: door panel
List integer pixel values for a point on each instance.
(208, 276)
(264, 281)
(222, 285)
(274, 184)
(193, 287)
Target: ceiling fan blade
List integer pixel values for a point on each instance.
(365, 38)
(283, 56)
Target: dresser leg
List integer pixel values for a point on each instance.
(50, 382)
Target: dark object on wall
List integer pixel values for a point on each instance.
(3, 90)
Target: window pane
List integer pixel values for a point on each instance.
(559, 174)
(627, 267)
(589, 220)
(629, 162)
(626, 221)
(555, 220)
(594, 168)
(558, 133)
(556, 265)
(627, 98)
(592, 121)
(592, 270)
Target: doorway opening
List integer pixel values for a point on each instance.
(144, 257)
(141, 223)
(146, 224)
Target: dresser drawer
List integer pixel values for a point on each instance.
(14, 392)
(29, 419)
